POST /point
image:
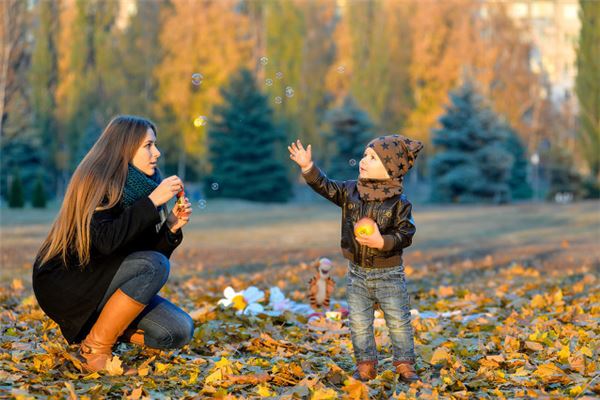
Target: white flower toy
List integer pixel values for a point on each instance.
(245, 302)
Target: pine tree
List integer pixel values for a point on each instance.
(519, 186)
(242, 144)
(472, 163)
(38, 199)
(16, 197)
(351, 130)
(587, 84)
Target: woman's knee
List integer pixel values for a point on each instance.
(154, 265)
(177, 333)
(184, 332)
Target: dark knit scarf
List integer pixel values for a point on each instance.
(138, 185)
(398, 155)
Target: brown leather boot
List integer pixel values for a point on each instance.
(406, 371)
(365, 370)
(135, 336)
(96, 349)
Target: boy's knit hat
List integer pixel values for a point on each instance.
(397, 153)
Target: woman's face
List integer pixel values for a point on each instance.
(146, 156)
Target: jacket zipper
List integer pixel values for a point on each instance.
(363, 248)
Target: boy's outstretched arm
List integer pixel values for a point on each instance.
(333, 191)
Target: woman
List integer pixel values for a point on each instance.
(98, 272)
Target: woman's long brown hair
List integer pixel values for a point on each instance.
(99, 178)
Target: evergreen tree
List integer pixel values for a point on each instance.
(16, 197)
(38, 199)
(472, 163)
(519, 186)
(242, 144)
(587, 84)
(351, 130)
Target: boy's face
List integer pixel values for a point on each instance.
(371, 167)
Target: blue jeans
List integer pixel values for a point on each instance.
(386, 286)
(141, 276)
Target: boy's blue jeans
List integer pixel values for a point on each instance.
(386, 286)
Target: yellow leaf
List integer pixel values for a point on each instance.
(538, 301)
(72, 395)
(586, 351)
(356, 390)
(135, 394)
(564, 354)
(324, 394)
(439, 355)
(193, 378)
(159, 368)
(264, 391)
(223, 362)
(114, 367)
(549, 372)
(214, 377)
(575, 390)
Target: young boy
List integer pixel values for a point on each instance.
(375, 270)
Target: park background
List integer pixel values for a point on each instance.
(505, 96)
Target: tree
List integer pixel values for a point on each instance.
(38, 199)
(519, 186)
(210, 38)
(242, 142)
(43, 76)
(351, 130)
(587, 85)
(16, 197)
(472, 164)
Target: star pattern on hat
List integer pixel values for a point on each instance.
(396, 144)
(385, 146)
(387, 159)
(386, 190)
(390, 172)
(366, 196)
(372, 145)
(400, 154)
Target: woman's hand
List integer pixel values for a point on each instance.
(168, 188)
(301, 156)
(179, 215)
(374, 240)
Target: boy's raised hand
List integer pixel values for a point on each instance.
(302, 157)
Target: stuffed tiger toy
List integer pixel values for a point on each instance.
(321, 285)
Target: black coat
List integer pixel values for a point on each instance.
(69, 294)
(393, 217)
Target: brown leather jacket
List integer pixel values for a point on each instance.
(393, 217)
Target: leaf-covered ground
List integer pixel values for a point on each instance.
(488, 324)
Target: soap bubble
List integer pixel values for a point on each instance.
(341, 69)
(278, 100)
(264, 60)
(200, 121)
(269, 82)
(289, 92)
(279, 75)
(352, 162)
(202, 204)
(215, 186)
(197, 79)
